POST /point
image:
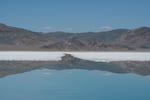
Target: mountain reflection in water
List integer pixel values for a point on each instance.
(14, 67)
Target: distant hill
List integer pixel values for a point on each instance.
(13, 38)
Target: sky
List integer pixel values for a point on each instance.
(75, 15)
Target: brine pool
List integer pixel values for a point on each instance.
(74, 85)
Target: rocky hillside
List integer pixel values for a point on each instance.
(13, 38)
(138, 38)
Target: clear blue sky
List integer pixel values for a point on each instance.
(75, 15)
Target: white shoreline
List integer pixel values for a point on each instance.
(56, 56)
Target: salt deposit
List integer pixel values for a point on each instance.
(56, 56)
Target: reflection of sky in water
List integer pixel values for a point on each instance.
(74, 85)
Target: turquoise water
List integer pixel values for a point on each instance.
(74, 85)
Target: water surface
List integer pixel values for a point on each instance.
(74, 85)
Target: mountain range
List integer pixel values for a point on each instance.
(13, 38)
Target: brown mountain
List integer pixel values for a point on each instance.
(13, 38)
(138, 38)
